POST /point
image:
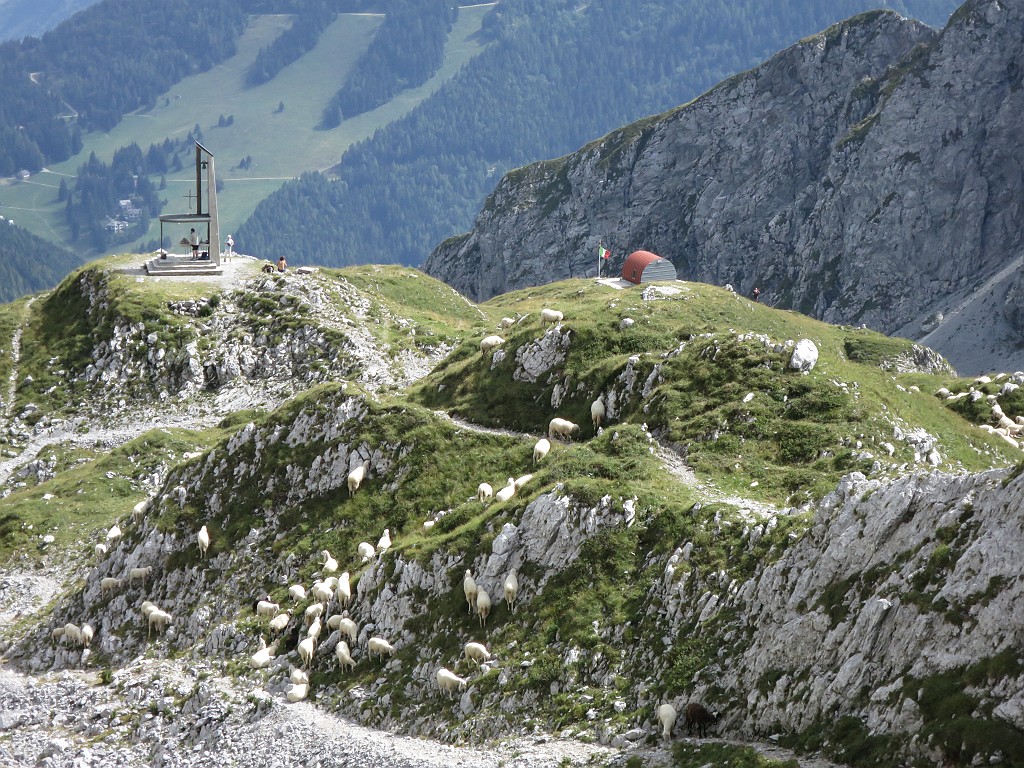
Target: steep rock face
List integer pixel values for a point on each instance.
(871, 173)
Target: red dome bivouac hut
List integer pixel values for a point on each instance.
(646, 267)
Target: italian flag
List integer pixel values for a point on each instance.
(603, 252)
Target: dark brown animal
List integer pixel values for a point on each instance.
(697, 715)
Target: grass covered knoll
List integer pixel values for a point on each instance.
(708, 372)
(90, 489)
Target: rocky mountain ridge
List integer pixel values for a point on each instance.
(865, 175)
(657, 557)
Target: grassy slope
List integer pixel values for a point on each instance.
(795, 438)
(256, 131)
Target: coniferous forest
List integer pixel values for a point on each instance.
(28, 263)
(559, 74)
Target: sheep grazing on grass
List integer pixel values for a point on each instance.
(344, 590)
(597, 412)
(379, 646)
(667, 718)
(521, 481)
(306, 648)
(490, 343)
(384, 542)
(507, 492)
(266, 608)
(160, 620)
(506, 322)
(297, 592)
(110, 584)
(114, 533)
(477, 652)
(297, 692)
(203, 538)
(139, 574)
(355, 478)
(448, 681)
(697, 715)
(511, 590)
(483, 605)
(330, 564)
(484, 492)
(365, 551)
(550, 316)
(344, 654)
(470, 589)
(562, 428)
(264, 655)
(540, 450)
(280, 622)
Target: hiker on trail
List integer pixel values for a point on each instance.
(193, 239)
(756, 293)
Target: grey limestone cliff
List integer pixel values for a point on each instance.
(869, 174)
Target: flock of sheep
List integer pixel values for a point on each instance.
(1010, 430)
(336, 591)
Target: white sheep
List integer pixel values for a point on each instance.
(540, 450)
(297, 692)
(203, 539)
(139, 574)
(345, 626)
(511, 590)
(507, 492)
(147, 608)
(366, 551)
(139, 510)
(330, 564)
(667, 718)
(483, 605)
(57, 634)
(379, 646)
(101, 549)
(86, 635)
(470, 589)
(506, 322)
(597, 412)
(477, 652)
(314, 611)
(322, 592)
(110, 584)
(490, 343)
(307, 646)
(562, 428)
(315, 629)
(484, 492)
(267, 608)
(448, 681)
(298, 676)
(344, 590)
(355, 478)
(73, 633)
(263, 656)
(114, 533)
(384, 542)
(552, 316)
(159, 619)
(297, 592)
(521, 481)
(344, 654)
(280, 622)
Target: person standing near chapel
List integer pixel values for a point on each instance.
(229, 247)
(193, 240)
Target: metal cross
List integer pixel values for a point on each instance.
(189, 196)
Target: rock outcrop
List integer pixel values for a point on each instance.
(869, 174)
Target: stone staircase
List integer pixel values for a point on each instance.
(180, 265)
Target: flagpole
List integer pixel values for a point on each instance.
(599, 247)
